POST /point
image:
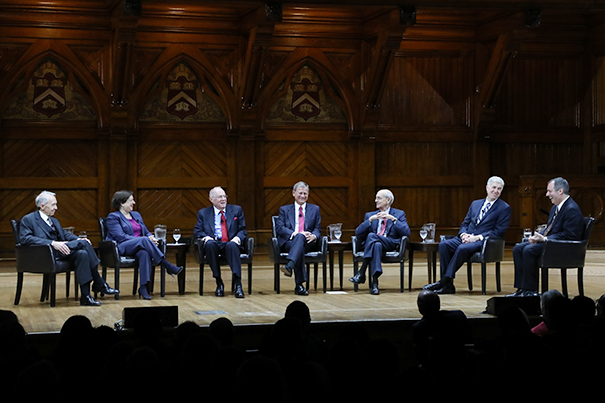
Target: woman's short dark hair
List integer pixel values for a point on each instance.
(120, 197)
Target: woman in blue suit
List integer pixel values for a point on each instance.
(126, 227)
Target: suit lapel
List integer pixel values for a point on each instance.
(42, 224)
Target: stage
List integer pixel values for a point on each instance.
(264, 306)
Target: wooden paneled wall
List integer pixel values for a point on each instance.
(171, 98)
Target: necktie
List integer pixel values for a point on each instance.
(383, 226)
(225, 237)
(301, 220)
(551, 223)
(482, 214)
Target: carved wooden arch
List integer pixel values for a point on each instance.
(327, 71)
(202, 67)
(84, 83)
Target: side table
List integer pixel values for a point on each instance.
(339, 247)
(431, 248)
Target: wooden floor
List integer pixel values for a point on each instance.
(264, 306)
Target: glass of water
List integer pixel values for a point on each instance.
(423, 233)
(526, 233)
(176, 234)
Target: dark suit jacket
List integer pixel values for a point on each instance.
(494, 223)
(234, 216)
(394, 231)
(34, 231)
(286, 222)
(569, 223)
(119, 228)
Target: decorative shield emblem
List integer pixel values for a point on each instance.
(49, 94)
(305, 98)
(182, 99)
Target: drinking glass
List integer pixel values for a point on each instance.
(423, 233)
(82, 234)
(176, 234)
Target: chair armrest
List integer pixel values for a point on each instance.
(493, 249)
(35, 258)
(274, 250)
(199, 250)
(401, 248)
(563, 253)
(249, 246)
(355, 244)
(108, 253)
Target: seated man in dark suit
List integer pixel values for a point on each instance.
(298, 227)
(565, 221)
(41, 228)
(485, 217)
(381, 231)
(222, 226)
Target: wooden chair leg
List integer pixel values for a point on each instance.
(469, 275)
(355, 270)
(201, 286)
(116, 280)
(401, 275)
(544, 279)
(564, 282)
(483, 277)
(276, 277)
(52, 282)
(19, 288)
(581, 280)
(249, 278)
(498, 279)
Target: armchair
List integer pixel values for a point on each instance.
(40, 259)
(396, 256)
(492, 251)
(246, 257)
(278, 258)
(564, 254)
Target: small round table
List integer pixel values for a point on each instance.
(431, 248)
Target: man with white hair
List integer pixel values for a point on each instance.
(381, 231)
(222, 227)
(485, 217)
(41, 228)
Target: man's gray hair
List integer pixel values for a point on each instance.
(388, 194)
(213, 191)
(299, 184)
(42, 198)
(495, 179)
(560, 183)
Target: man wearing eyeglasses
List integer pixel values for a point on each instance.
(222, 227)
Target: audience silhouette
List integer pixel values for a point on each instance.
(293, 361)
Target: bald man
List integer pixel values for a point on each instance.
(380, 232)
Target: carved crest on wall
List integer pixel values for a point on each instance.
(182, 98)
(306, 101)
(49, 95)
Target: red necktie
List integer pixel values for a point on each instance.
(383, 227)
(301, 220)
(225, 237)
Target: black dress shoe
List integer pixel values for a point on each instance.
(374, 289)
(448, 289)
(359, 278)
(287, 269)
(87, 300)
(518, 293)
(104, 289)
(432, 286)
(220, 290)
(300, 290)
(239, 293)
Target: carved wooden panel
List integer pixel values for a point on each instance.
(529, 95)
(427, 90)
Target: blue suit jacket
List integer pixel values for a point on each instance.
(119, 228)
(394, 231)
(569, 223)
(286, 222)
(494, 223)
(34, 231)
(234, 216)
